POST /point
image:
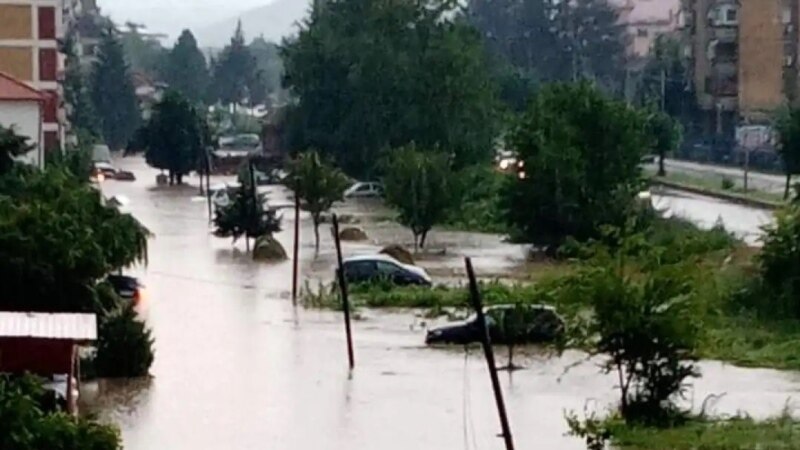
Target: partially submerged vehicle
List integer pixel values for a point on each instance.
(538, 323)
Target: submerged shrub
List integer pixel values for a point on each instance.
(124, 346)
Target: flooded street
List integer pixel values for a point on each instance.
(237, 367)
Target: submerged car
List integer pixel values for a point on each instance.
(128, 288)
(364, 190)
(537, 324)
(370, 268)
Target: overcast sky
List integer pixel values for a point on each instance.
(172, 16)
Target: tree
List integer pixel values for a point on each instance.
(787, 126)
(318, 184)
(581, 153)
(245, 216)
(666, 134)
(554, 40)
(143, 52)
(269, 63)
(186, 71)
(421, 186)
(11, 146)
(174, 138)
(57, 240)
(124, 346)
(113, 95)
(234, 71)
(370, 75)
(78, 95)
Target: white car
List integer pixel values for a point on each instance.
(221, 194)
(364, 190)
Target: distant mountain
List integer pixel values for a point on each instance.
(273, 21)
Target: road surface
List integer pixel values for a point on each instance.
(757, 180)
(237, 367)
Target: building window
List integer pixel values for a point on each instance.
(47, 22)
(731, 15)
(48, 64)
(50, 107)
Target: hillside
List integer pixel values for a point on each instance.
(273, 21)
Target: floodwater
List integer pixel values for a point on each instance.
(237, 367)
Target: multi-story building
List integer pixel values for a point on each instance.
(29, 51)
(743, 56)
(646, 20)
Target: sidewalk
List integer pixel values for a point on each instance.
(756, 180)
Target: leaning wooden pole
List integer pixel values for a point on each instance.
(475, 297)
(208, 186)
(295, 260)
(343, 289)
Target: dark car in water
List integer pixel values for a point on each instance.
(128, 288)
(370, 268)
(539, 324)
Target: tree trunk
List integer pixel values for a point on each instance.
(171, 178)
(788, 186)
(510, 357)
(247, 243)
(416, 241)
(316, 237)
(180, 178)
(422, 239)
(661, 170)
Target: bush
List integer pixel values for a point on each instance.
(124, 346)
(727, 184)
(647, 327)
(479, 208)
(779, 262)
(26, 425)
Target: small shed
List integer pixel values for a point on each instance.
(45, 344)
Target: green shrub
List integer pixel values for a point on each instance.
(779, 263)
(25, 425)
(727, 184)
(124, 346)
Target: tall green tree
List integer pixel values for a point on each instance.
(666, 134)
(787, 126)
(144, 53)
(113, 94)
(186, 70)
(665, 78)
(269, 63)
(554, 40)
(581, 153)
(246, 216)
(318, 184)
(370, 75)
(78, 95)
(235, 72)
(174, 137)
(11, 146)
(421, 186)
(58, 239)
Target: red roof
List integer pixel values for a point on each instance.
(12, 89)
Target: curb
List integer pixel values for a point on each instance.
(733, 198)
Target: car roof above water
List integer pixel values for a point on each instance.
(376, 257)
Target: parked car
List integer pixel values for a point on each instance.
(542, 324)
(128, 288)
(221, 194)
(364, 190)
(106, 169)
(363, 269)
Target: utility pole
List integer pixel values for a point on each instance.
(208, 185)
(296, 247)
(488, 352)
(343, 290)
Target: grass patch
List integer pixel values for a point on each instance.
(719, 184)
(697, 434)
(750, 342)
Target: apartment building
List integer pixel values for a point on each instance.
(646, 20)
(743, 56)
(29, 52)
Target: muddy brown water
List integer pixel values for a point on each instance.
(237, 367)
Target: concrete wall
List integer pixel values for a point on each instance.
(760, 56)
(25, 118)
